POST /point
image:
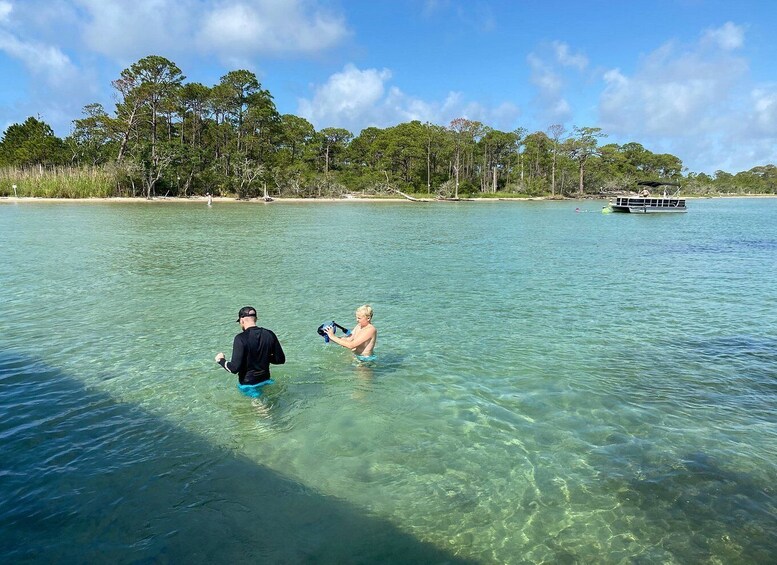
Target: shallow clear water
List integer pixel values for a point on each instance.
(551, 386)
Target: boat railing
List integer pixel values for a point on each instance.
(668, 202)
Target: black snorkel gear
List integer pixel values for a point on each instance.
(335, 326)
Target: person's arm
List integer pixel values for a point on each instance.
(232, 366)
(359, 336)
(344, 341)
(277, 356)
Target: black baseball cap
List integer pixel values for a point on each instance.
(246, 312)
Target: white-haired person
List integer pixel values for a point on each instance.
(363, 338)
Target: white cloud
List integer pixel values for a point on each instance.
(567, 59)
(35, 36)
(5, 10)
(231, 29)
(51, 22)
(550, 74)
(750, 138)
(42, 60)
(71, 49)
(126, 31)
(764, 104)
(347, 98)
(269, 26)
(55, 88)
(355, 99)
(21, 40)
(728, 37)
(543, 76)
(681, 99)
(479, 17)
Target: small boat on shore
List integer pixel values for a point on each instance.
(645, 203)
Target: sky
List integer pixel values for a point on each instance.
(694, 78)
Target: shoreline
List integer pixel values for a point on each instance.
(260, 200)
(291, 200)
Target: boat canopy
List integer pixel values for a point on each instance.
(655, 183)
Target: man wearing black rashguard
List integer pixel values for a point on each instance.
(252, 352)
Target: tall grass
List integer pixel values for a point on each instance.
(60, 182)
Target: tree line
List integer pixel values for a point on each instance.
(166, 136)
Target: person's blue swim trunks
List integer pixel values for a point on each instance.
(254, 391)
(366, 358)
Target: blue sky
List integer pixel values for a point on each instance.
(696, 78)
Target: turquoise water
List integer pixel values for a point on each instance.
(551, 387)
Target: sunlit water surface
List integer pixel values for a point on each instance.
(552, 386)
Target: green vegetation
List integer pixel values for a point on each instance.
(168, 137)
(61, 182)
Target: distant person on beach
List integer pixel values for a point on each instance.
(210, 199)
(363, 337)
(252, 352)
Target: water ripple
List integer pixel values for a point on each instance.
(556, 386)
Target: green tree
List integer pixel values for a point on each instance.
(519, 143)
(611, 170)
(93, 136)
(32, 143)
(366, 149)
(148, 88)
(332, 142)
(583, 146)
(193, 100)
(233, 96)
(666, 166)
(538, 155)
(464, 133)
(404, 150)
(366, 160)
(249, 132)
(555, 131)
(264, 130)
(435, 145)
(296, 136)
(497, 148)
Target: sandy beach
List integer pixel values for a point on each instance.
(227, 200)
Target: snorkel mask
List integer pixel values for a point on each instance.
(323, 327)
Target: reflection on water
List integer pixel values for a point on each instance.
(550, 386)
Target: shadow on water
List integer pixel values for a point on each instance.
(715, 504)
(86, 479)
(695, 494)
(752, 347)
(746, 364)
(723, 247)
(385, 365)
